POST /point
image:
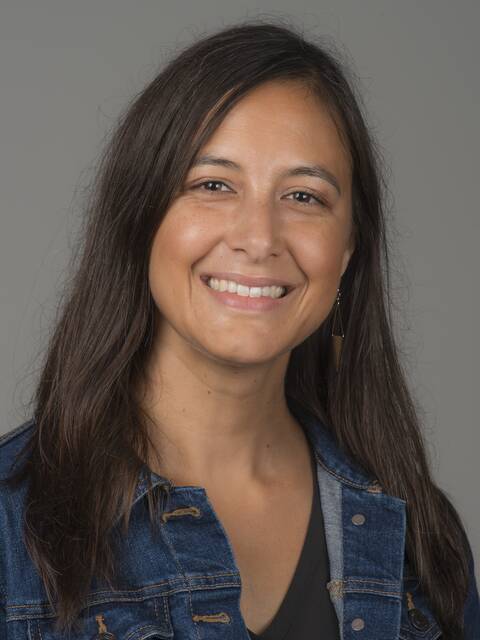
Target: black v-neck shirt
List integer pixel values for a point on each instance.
(306, 611)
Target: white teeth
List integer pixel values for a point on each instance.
(242, 290)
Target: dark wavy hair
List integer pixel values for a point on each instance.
(90, 436)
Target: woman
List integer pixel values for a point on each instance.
(224, 356)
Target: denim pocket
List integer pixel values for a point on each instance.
(417, 620)
(111, 620)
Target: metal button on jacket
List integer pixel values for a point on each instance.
(358, 518)
(358, 624)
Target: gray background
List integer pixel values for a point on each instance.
(67, 68)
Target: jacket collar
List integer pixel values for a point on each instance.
(328, 452)
(325, 446)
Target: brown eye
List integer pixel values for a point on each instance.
(209, 182)
(309, 196)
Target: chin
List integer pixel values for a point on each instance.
(244, 357)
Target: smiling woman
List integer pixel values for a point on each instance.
(255, 231)
(237, 217)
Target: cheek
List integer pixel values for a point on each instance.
(179, 242)
(320, 255)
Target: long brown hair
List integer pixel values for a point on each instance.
(90, 436)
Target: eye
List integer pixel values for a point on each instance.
(309, 195)
(209, 182)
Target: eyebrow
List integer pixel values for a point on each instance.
(314, 170)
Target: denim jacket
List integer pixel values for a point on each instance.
(184, 582)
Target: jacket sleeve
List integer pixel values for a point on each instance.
(471, 615)
(3, 623)
(3, 612)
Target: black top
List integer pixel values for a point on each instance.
(306, 611)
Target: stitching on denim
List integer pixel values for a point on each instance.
(356, 485)
(394, 582)
(139, 630)
(212, 617)
(375, 487)
(396, 594)
(433, 627)
(126, 598)
(166, 539)
(171, 592)
(181, 511)
(166, 612)
(335, 587)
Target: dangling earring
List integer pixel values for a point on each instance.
(337, 332)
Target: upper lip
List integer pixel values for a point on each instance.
(248, 281)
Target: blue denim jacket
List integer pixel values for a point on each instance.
(185, 583)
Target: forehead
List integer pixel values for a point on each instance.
(281, 121)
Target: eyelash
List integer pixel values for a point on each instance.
(319, 201)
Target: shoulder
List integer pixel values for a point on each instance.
(12, 499)
(12, 444)
(471, 614)
(15, 435)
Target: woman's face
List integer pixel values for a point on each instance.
(253, 218)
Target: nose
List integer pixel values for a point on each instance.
(257, 229)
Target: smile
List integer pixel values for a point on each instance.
(232, 286)
(238, 296)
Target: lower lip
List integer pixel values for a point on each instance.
(263, 303)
